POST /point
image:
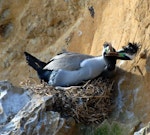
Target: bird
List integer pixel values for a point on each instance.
(69, 68)
(128, 52)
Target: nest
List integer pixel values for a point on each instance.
(89, 103)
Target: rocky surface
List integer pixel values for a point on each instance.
(12, 100)
(43, 109)
(46, 27)
(23, 112)
(144, 131)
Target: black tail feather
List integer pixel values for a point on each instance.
(34, 62)
(38, 65)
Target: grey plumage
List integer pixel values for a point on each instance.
(69, 68)
(68, 61)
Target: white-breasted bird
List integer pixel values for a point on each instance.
(67, 69)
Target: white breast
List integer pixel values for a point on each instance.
(96, 65)
(89, 69)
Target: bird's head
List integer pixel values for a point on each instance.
(128, 52)
(109, 54)
(131, 48)
(107, 48)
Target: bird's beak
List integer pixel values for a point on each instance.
(112, 54)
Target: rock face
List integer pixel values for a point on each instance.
(24, 113)
(33, 26)
(46, 27)
(143, 131)
(12, 100)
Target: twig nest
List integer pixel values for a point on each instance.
(88, 103)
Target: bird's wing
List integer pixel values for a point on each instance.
(68, 61)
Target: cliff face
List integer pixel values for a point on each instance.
(44, 28)
(33, 26)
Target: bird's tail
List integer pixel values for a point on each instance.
(35, 63)
(38, 65)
